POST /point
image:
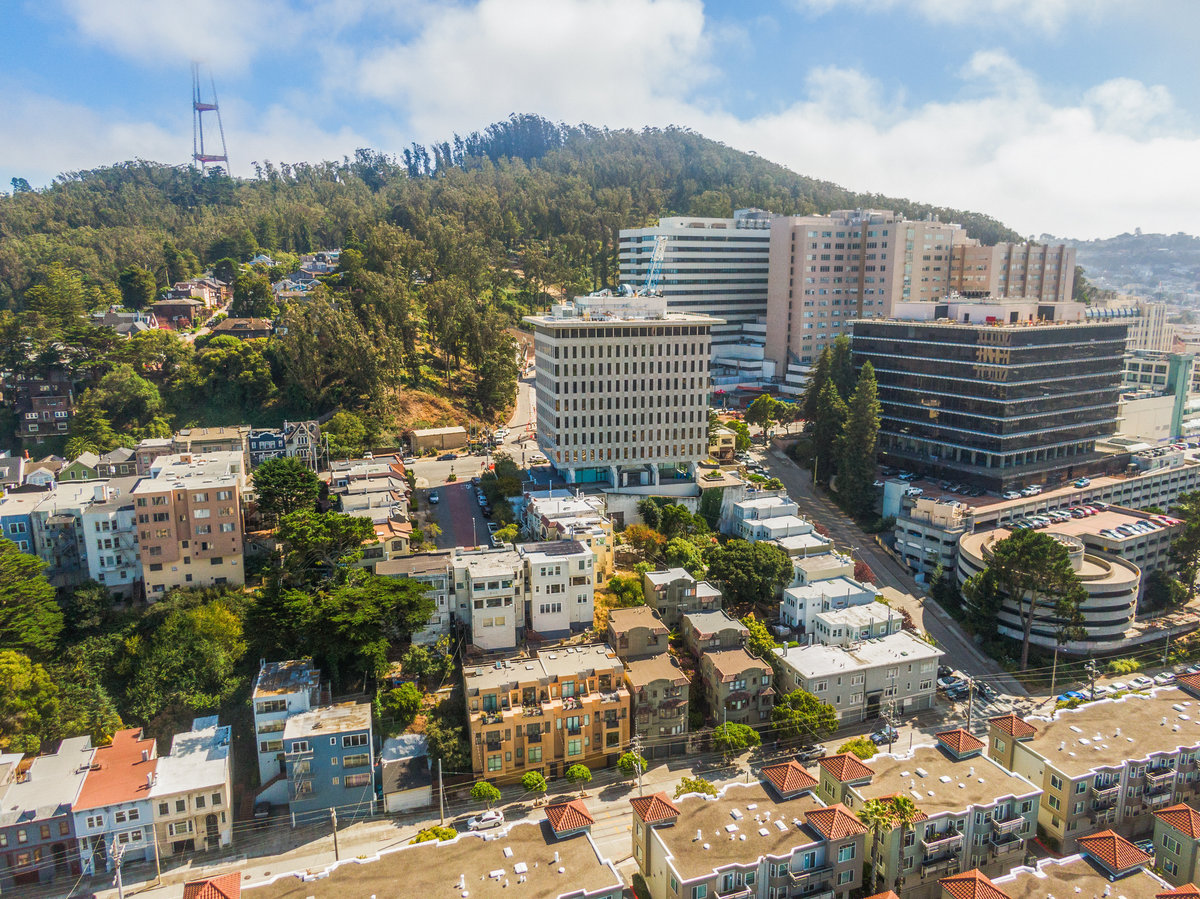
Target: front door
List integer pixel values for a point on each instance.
(212, 833)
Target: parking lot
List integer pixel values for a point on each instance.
(456, 512)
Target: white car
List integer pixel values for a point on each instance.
(1140, 682)
(1118, 687)
(411, 460)
(486, 821)
(1165, 678)
(492, 527)
(1011, 494)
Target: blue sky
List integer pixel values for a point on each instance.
(1079, 118)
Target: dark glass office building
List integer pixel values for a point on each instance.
(999, 405)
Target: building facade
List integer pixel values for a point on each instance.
(738, 687)
(113, 811)
(192, 796)
(1018, 270)
(637, 633)
(659, 690)
(281, 689)
(673, 593)
(330, 754)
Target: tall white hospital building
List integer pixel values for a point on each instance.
(622, 389)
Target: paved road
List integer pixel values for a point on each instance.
(960, 649)
(458, 515)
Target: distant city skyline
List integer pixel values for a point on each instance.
(1077, 118)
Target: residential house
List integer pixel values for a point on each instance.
(673, 593)
(822, 567)
(849, 627)
(37, 827)
(12, 472)
(659, 691)
(971, 812)
(713, 630)
(113, 808)
(110, 528)
(264, 444)
(434, 571)
(772, 518)
(637, 633)
(801, 605)
(118, 463)
(547, 712)
(43, 404)
(1110, 763)
(561, 515)
(751, 841)
(244, 328)
(192, 796)
(82, 468)
(406, 778)
(863, 680)
(44, 472)
(303, 440)
(738, 687)
(208, 441)
(179, 313)
(490, 586)
(281, 689)
(123, 322)
(1177, 844)
(150, 449)
(16, 519)
(190, 522)
(722, 443)
(330, 757)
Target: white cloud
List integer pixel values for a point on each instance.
(1047, 14)
(1128, 106)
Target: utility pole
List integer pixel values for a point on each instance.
(887, 720)
(441, 796)
(970, 700)
(118, 854)
(635, 746)
(1166, 648)
(1093, 673)
(1054, 670)
(333, 820)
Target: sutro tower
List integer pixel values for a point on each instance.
(200, 156)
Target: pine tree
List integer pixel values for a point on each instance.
(841, 367)
(816, 381)
(856, 446)
(828, 424)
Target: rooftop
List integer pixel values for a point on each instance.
(834, 586)
(743, 823)
(569, 661)
(491, 563)
(660, 667)
(50, 785)
(819, 660)
(119, 773)
(667, 576)
(223, 886)
(620, 620)
(199, 758)
(731, 662)
(527, 862)
(1104, 734)
(815, 566)
(291, 676)
(1181, 817)
(862, 616)
(1067, 877)
(329, 719)
(196, 470)
(713, 620)
(567, 816)
(938, 782)
(798, 543)
(419, 565)
(550, 550)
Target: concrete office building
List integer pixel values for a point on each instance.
(622, 390)
(1149, 330)
(710, 266)
(1036, 271)
(996, 402)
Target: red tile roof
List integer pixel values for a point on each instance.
(1013, 726)
(121, 775)
(652, 809)
(789, 777)
(565, 816)
(1113, 851)
(1189, 681)
(835, 822)
(972, 885)
(845, 767)
(888, 895)
(960, 741)
(1182, 817)
(223, 886)
(1187, 891)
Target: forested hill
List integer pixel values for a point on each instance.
(525, 194)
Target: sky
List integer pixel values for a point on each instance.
(1077, 118)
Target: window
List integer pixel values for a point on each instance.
(354, 740)
(846, 854)
(95, 821)
(846, 876)
(357, 780)
(164, 808)
(1055, 782)
(700, 892)
(1171, 845)
(1081, 788)
(358, 760)
(1170, 867)
(495, 762)
(199, 802)
(130, 815)
(181, 805)
(216, 800)
(300, 746)
(535, 754)
(1053, 802)
(574, 747)
(177, 828)
(270, 746)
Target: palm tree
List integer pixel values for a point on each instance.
(904, 813)
(877, 815)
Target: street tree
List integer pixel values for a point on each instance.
(695, 785)
(732, 738)
(764, 412)
(533, 782)
(863, 747)
(285, 485)
(485, 792)
(631, 764)
(580, 775)
(1185, 548)
(856, 446)
(828, 425)
(800, 714)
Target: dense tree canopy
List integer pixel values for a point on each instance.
(30, 619)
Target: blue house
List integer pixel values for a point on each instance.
(264, 444)
(15, 521)
(330, 754)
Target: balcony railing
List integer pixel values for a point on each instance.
(1012, 825)
(943, 842)
(940, 867)
(491, 717)
(1003, 844)
(494, 745)
(810, 875)
(573, 731)
(738, 892)
(1153, 800)
(1109, 792)
(533, 738)
(1104, 816)
(1159, 777)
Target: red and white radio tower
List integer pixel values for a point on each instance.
(200, 156)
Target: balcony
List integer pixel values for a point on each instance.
(1104, 816)
(1159, 777)
(1005, 844)
(1105, 795)
(810, 875)
(533, 738)
(737, 892)
(573, 731)
(491, 717)
(1154, 800)
(1012, 825)
(943, 842)
(494, 745)
(942, 867)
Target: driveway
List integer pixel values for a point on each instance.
(457, 514)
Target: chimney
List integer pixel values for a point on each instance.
(145, 755)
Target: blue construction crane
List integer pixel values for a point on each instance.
(656, 261)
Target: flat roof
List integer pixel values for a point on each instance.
(290, 676)
(793, 542)
(491, 562)
(937, 782)
(1103, 734)
(551, 550)
(568, 661)
(660, 667)
(1105, 520)
(667, 576)
(199, 758)
(337, 718)
(51, 784)
(840, 585)
(820, 660)
(215, 468)
(811, 565)
(713, 818)
(419, 565)
(489, 868)
(861, 616)
(1063, 878)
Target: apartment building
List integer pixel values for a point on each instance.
(864, 678)
(37, 827)
(711, 630)
(659, 690)
(547, 712)
(1106, 764)
(622, 390)
(207, 441)
(16, 519)
(192, 796)
(118, 463)
(110, 528)
(434, 571)
(773, 518)
(826, 271)
(926, 534)
(710, 266)
(1038, 271)
(557, 515)
(1149, 329)
(1177, 844)
(737, 686)
(823, 567)
(751, 841)
(189, 512)
(281, 689)
(113, 808)
(58, 534)
(673, 593)
(637, 633)
(849, 627)
(990, 401)
(330, 755)
(800, 605)
(560, 586)
(150, 449)
(43, 403)
(972, 812)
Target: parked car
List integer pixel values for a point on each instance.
(1011, 494)
(492, 527)
(945, 671)
(945, 683)
(447, 457)
(434, 499)
(410, 460)
(1165, 678)
(1083, 482)
(985, 690)
(1118, 687)
(486, 821)
(262, 811)
(884, 735)
(1099, 692)
(1140, 682)
(538, 459)
(810, 753)
(1069, 695)
(913, 491)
